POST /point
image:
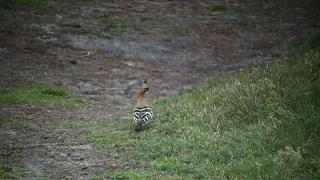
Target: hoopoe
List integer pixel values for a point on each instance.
(142, 113)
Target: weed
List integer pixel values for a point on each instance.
(121, 28)
(37, 94)
(54, 91)
(18, 123)
(114, 25)
(6, 171)
(84, 0)
(314, 41)
(91, 33)
(115, 29)
(273, 4)
(123, 175)
(3, 119)
(145, 18)
(10, 20)
(79, 21)
(34, 28)
(27, 2)
(182, 15)
(219, 6)
(35, 2)
(75, 76)
(181, 31)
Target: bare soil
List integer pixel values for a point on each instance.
(174, 44)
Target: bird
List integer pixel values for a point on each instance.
(142, 112)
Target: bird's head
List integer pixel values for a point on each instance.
(145, 86)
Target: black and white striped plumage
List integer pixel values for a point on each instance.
(142, 113)
(141, 117)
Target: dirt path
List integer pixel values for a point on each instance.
(104, 50)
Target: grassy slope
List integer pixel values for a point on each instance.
(262, 124)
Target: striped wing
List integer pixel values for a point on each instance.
(142, 115)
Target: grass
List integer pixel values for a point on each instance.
(313, 41)
(262, 124)
(9, 20)
(9, 172)
(36, 2)
(79, 21)
(219, 6)
(38, 94)
(182, 15)
(115, 28)
(124, 174)
(27, 2)
(17, 123)
(145, 18)
(84, 0)
(3, 119)
(114, 25)
(273, 4)
(6, 171)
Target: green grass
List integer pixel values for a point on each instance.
(38, 94)
(36, 2)
(84, 0)
(313, 41)
(219, 6)
(3, 119)
(130, 174)
(6, 172)
(115, 28)
(79, 21)
(9, 172)
(27, 2)
(182, 15)
(114, 25)
(17, 123)
(262, 124)
(145, 18)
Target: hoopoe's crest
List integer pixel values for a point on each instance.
(142, 113)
